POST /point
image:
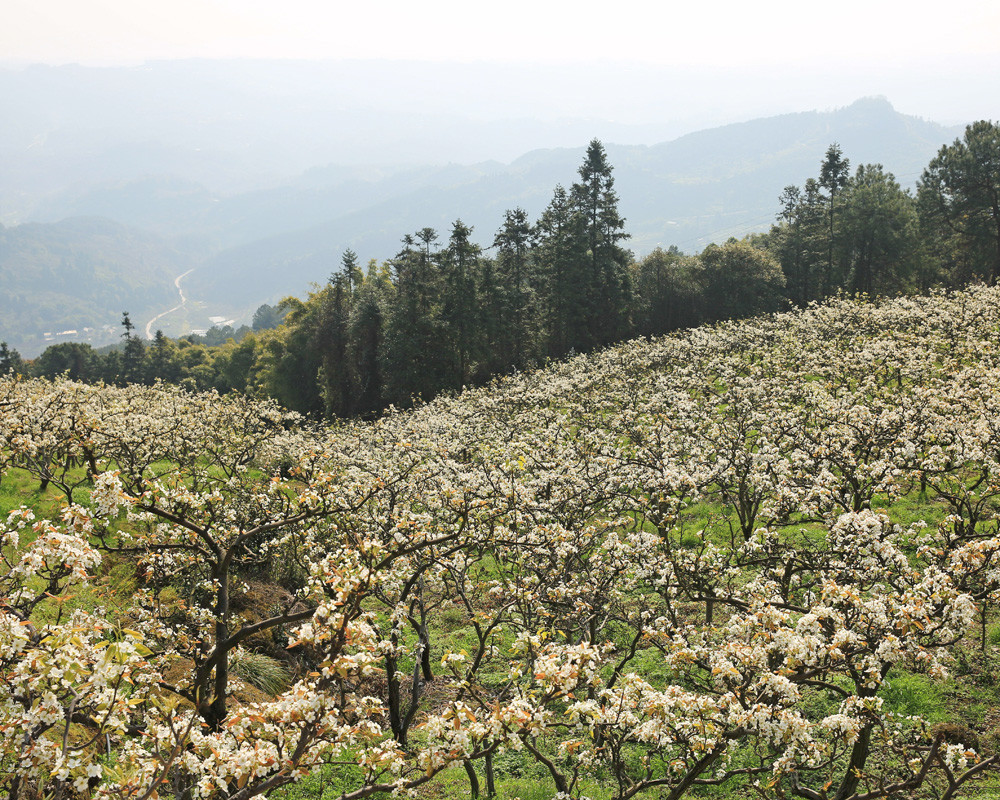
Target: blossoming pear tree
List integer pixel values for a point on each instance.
(671, 564)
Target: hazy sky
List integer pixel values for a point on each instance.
(717, 32)
(699, 62)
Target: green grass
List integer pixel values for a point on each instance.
(266, 673)
(913, 507)
(19, 488)
(326, 783)
(913, 694)
(115, 582)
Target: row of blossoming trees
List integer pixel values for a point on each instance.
(676, 564)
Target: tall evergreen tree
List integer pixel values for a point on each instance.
(515, 289)
(367, 333)
(801, 241)
(10, 360)
(560, 253)
(336, 376)
(606, 289)
(788, 245)
(833, 176)
(459, 270)
(162, 362)
(415, 363)
(350, 270)
(133, 359)
(492, 323)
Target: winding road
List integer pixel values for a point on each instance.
(181, 304)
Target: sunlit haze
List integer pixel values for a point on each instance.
(767, 56)
(713, 33)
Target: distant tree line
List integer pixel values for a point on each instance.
(862, 233)
(443, 314)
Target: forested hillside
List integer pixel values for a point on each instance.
(276, 236)
(443, 313)
(754, 559)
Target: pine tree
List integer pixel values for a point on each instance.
(492, 323)
(606, 286)
(336, 300)
(415, 364)
(879, 232)
(515, 291)
(350, 270)
(459, 270)
(10, 361)
(801, 242)
(959, 195)
(133, 354)
(367, 332)
(833, 176)
(560, 254)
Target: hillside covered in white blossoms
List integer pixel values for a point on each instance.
(757, 559)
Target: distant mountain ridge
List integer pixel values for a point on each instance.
(700, 188)
(255, 246)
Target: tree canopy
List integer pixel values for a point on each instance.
(960, 196)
